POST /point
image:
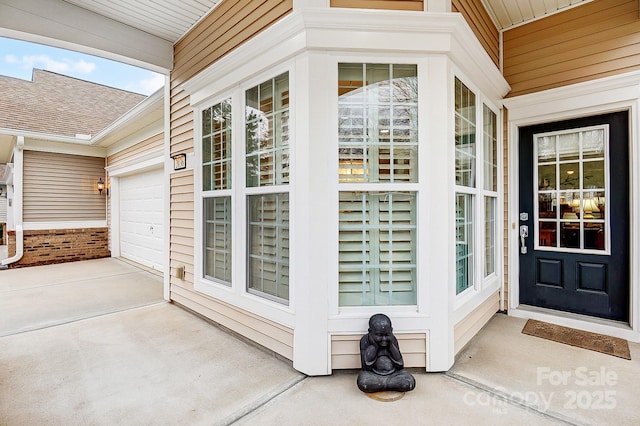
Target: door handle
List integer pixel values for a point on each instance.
(524, 233)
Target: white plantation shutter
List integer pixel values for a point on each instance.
(397, 243)
(354, 247)
(377, 248)
(269, 244)
(217, 245)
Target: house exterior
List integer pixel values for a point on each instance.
(343, 161)
(57, 212)
(328, 160)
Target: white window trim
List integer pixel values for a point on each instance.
(616, 93)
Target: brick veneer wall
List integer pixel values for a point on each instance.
(60, 245)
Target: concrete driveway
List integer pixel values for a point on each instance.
(93, 343)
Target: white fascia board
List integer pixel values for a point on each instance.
(353, 30)
(147, 106)
(61, 24)
(43, 136)
(46, 145)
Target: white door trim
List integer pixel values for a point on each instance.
(601, 96)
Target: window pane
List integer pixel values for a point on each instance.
(216, 146)
(593, 143)
(464, 242)
(268, 251)
(377, 123)
(465, 138)
(267, 132)
(217, 238)
(489, 235)
(490, 150)
(377, 248)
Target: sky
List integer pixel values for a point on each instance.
(18, 58)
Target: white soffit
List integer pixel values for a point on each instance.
(511, 13)
(167, 19)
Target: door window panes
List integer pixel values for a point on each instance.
(572, 213)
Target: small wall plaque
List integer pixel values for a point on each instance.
(179, 161)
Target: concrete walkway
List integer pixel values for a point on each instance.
(150, 362)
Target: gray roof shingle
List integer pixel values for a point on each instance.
(56, 104)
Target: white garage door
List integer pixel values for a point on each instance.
(141, 218)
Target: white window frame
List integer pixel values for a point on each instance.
(238, 294)
(215, 193)
(481, 283)
(421, 308)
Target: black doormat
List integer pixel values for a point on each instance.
(581, 339)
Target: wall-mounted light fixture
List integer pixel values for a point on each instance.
(100, 185)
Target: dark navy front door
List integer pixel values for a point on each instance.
(574, 216)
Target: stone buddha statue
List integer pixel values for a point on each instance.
(382, 364)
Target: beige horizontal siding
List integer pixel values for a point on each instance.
(62, 187)
(153, 143)
(266, 333)
(181, 225)
(464, 331)
(599, 39)
(345, 350)
(3, 208)
(480, 22)
(380, 4)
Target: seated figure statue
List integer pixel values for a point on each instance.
(382, 364)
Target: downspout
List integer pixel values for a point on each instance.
(18, 172)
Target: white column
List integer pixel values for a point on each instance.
(313, 221)
(17, 198)
(438, 257)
